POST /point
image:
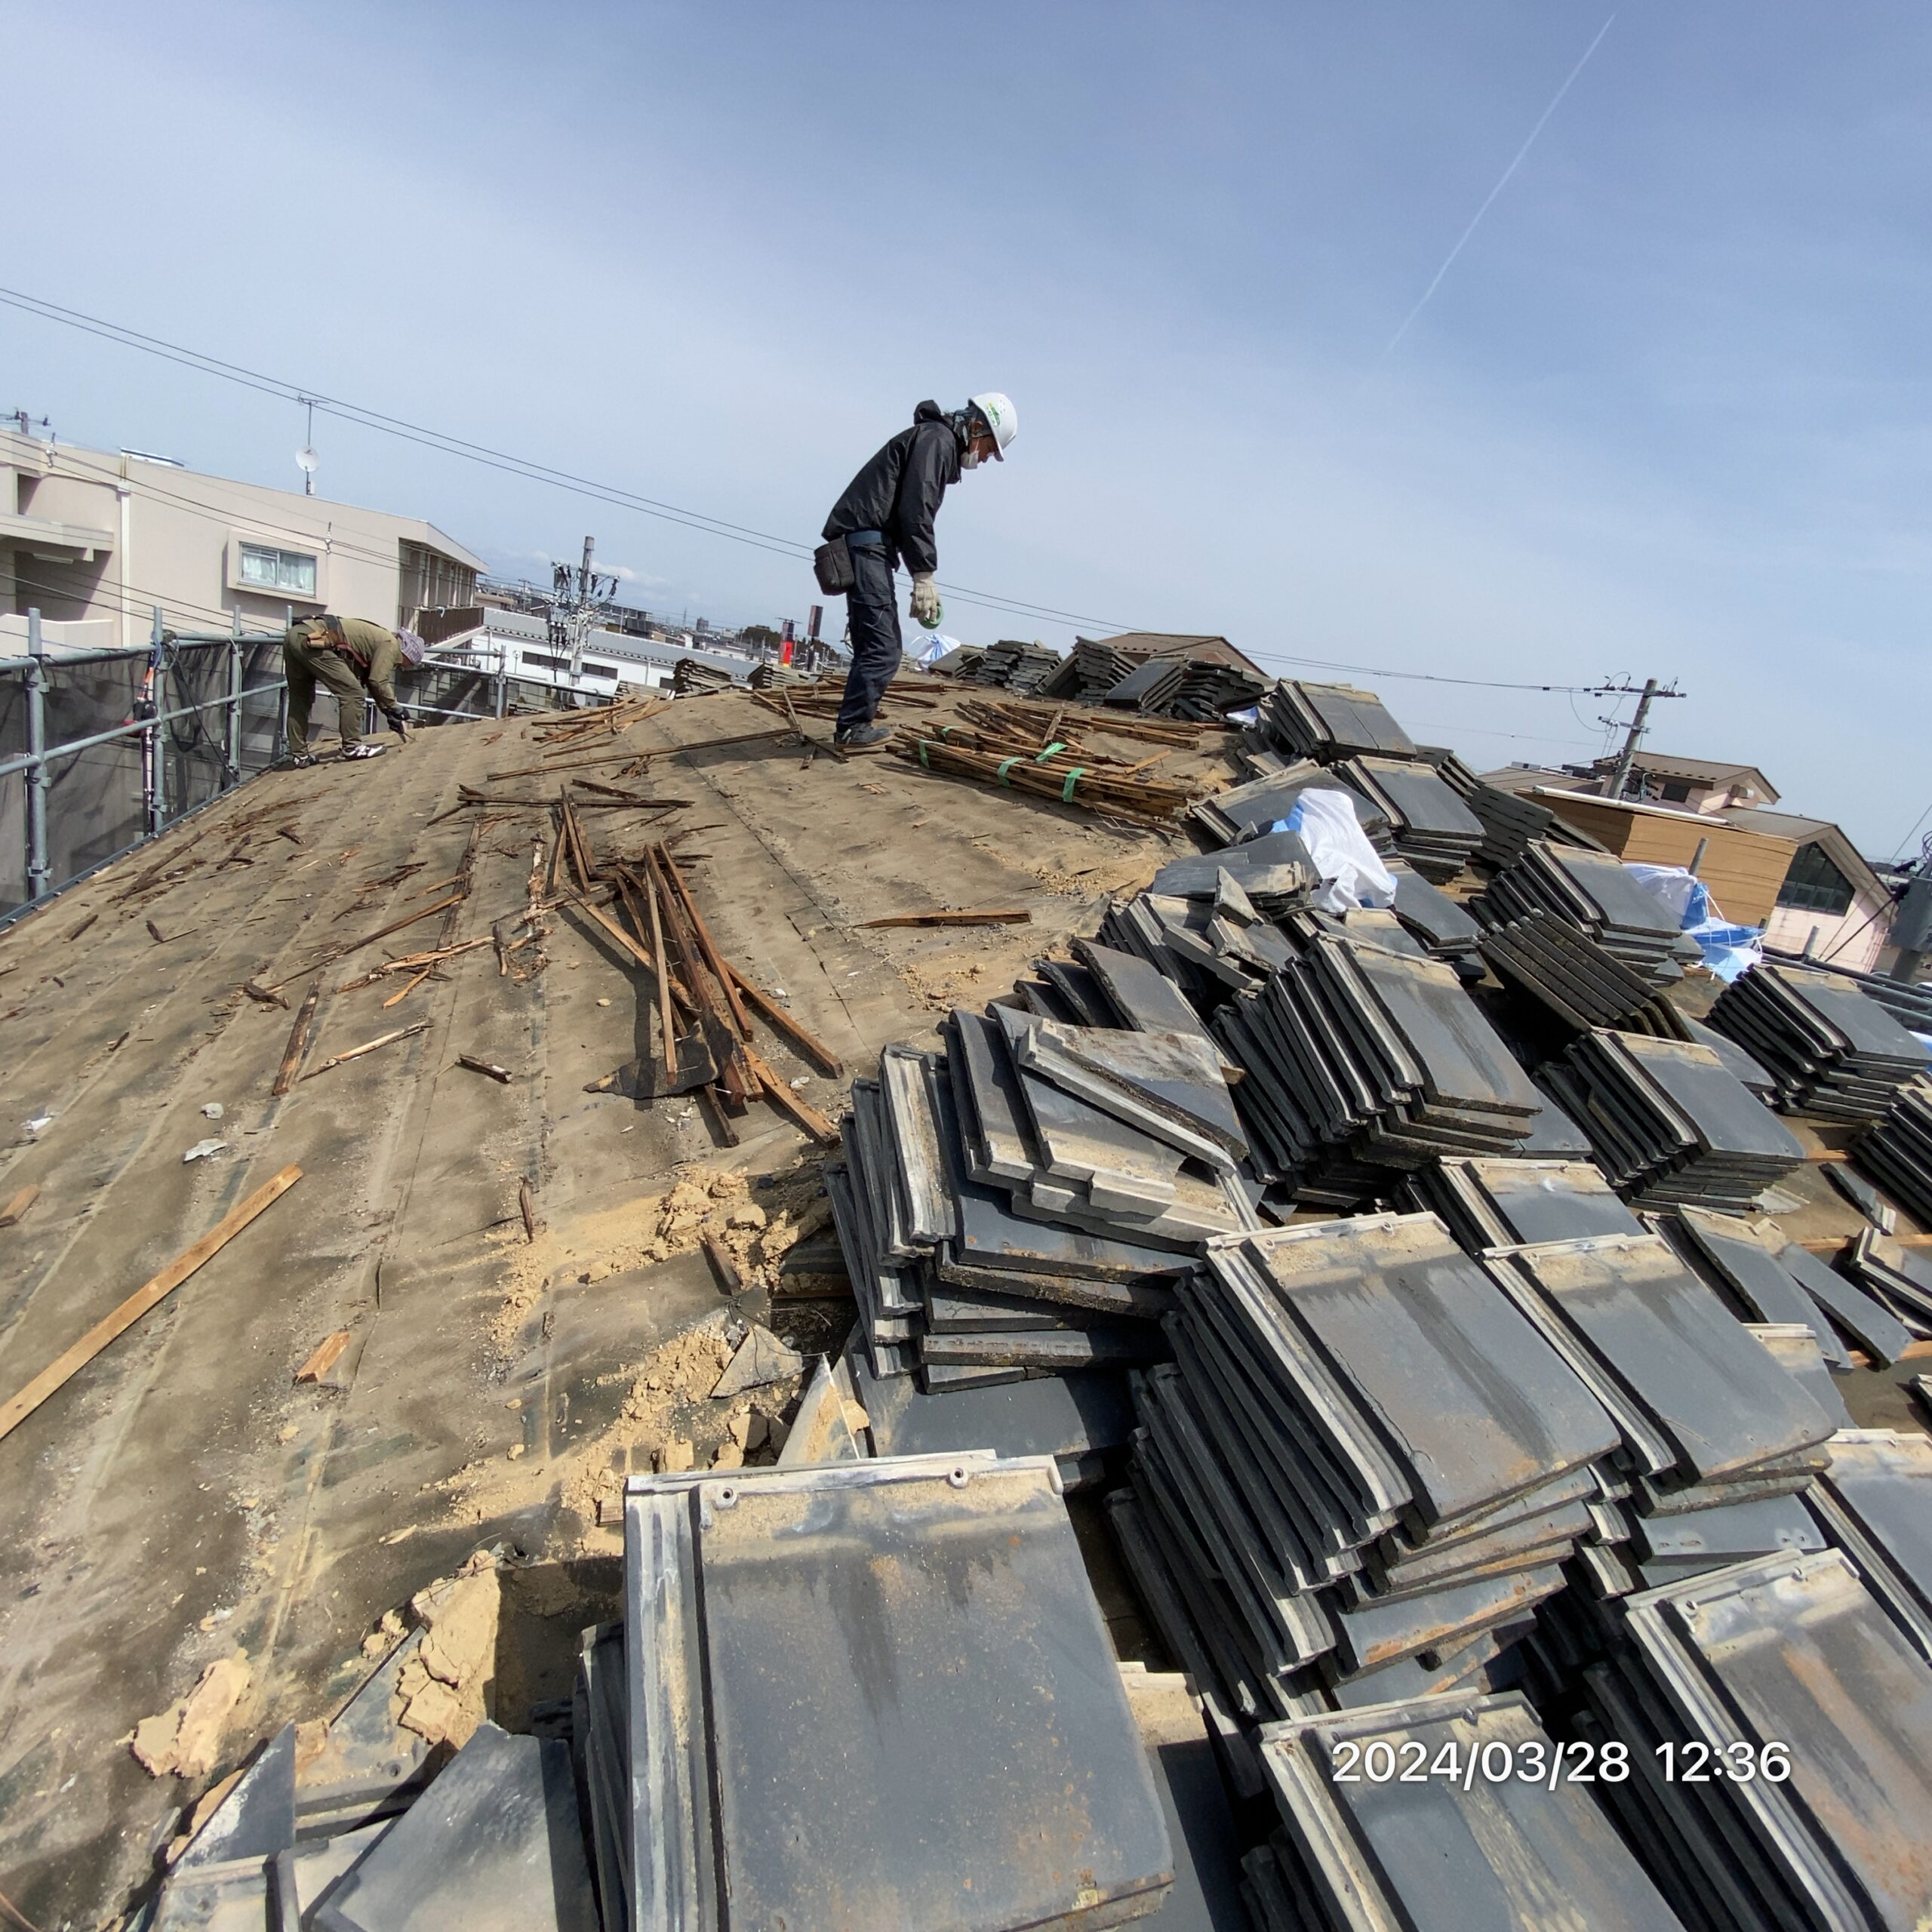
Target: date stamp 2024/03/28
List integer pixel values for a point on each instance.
(1382, 1762)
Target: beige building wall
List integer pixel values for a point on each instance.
(1854, 938)
(86, 536)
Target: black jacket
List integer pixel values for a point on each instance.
(900, 491)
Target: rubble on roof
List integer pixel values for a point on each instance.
(1450, 1386)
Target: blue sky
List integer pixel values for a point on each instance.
(1666, 413)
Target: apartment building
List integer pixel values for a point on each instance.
(96, 540)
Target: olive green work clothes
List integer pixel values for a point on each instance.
(345, 654)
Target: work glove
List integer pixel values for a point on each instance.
(399, 725)
(926, 610)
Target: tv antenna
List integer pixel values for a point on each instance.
(306, 458)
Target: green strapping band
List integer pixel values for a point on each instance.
(944, 728)
(1006, 765)
(923, 759)
(1059, 745)
(1066, 790)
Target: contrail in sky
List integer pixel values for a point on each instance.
(1449, 260)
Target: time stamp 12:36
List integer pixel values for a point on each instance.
(1538, 1762)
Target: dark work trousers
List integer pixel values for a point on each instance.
(873, 613)
(306, 666)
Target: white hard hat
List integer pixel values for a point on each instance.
(1001, 418)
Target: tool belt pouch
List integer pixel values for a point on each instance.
(831, 565)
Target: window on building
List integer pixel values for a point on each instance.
(1814, 884)
(293, 571)
(1677, 793)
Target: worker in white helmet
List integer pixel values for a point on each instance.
(885, 518)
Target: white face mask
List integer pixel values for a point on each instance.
(970, 458)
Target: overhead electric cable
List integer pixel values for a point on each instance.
(697, 520)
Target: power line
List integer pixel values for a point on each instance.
(1522, 737)
(119, 597)
(489, 457)
(336, 545)
(533, 471)
(1438, 678)
(1907, 839)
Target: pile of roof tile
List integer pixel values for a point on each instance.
(1434, 830)
(1897, 1152)
(1359, 1059)
(1707, 1416)
(772, 674)
(1274, 873)
(1597, 894)
(1749, 1263)
(1489, 1204)
(959, 661)
(1090, 671)
(1363, 1469)
(1558, 965)
(1511, 822)
(1444, 930)
(1327, 722)
(1022, 1203)
(689, 678)
(819, 1724)
(1199, 687)
(1356, 1850)
(1269, 798)
(1874, 1500)
(1016, 666)
(1211, 924)
(1833, 1052)
(1669, 1122)
(1779, 1728)
(1909, 1002)
(1899, 1276)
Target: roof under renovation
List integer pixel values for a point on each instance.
(735, 1335)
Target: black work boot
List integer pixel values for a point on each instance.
(856, 737)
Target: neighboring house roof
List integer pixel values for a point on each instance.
(1821, 832)
(433, 538)
(1522, 779)
(1178, 643)
(1713, 772)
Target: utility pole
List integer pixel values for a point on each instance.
(1619, 776)
(581, 627)
(1912, 924)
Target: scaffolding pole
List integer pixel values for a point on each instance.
(154, 765)
(38, 871)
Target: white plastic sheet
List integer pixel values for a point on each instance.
(1728, 950)
(1352, 874)
(937, 648)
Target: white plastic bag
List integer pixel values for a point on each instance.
(1679, 888)
(1352, 874)
(940, 647)
(1728, 950)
